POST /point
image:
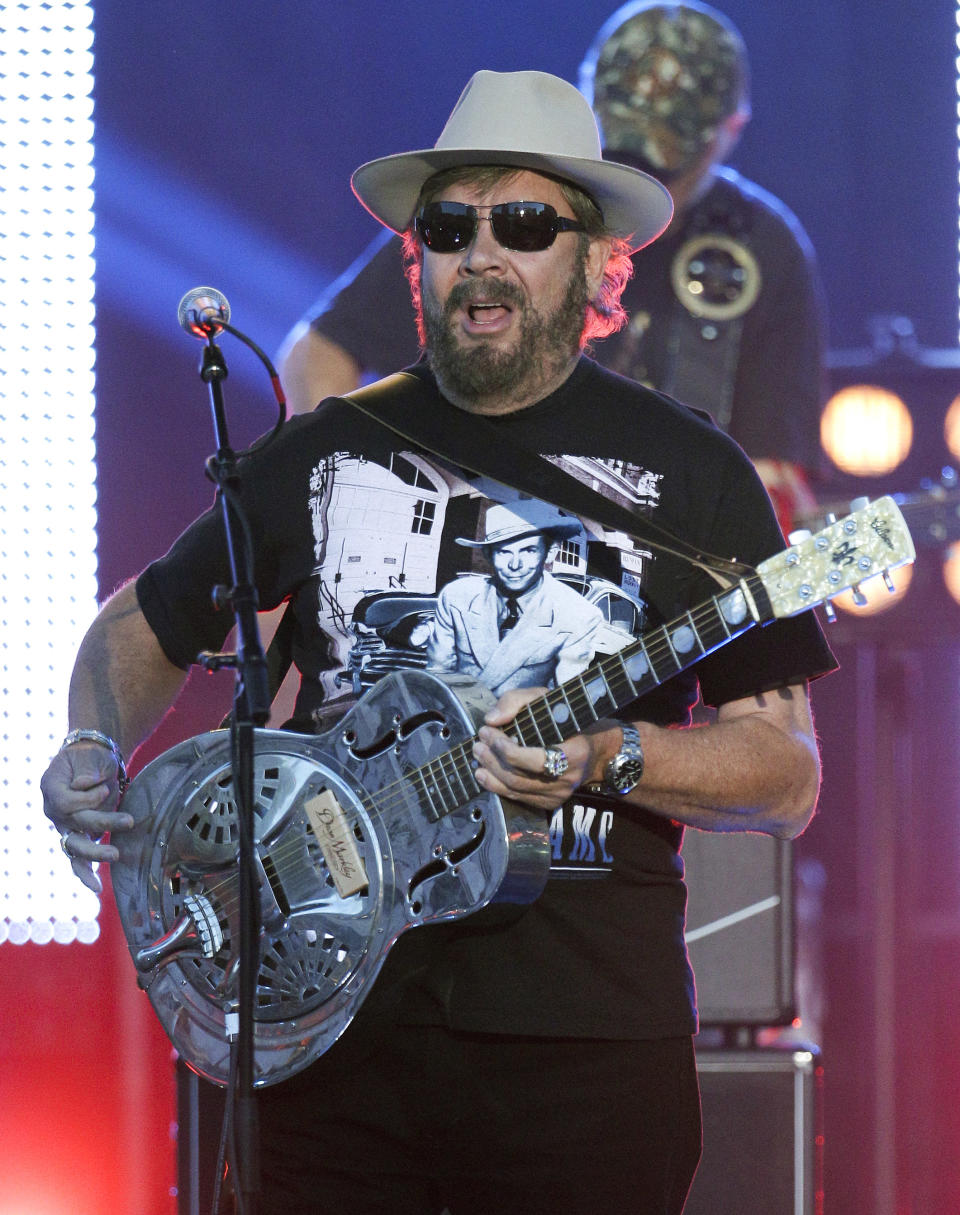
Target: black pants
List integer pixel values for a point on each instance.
(426, 1120)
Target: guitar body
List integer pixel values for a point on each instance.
(419, 842)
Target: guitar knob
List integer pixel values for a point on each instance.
(801, 534)
(830, 612)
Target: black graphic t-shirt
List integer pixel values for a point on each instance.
(394, 560)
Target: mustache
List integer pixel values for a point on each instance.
(475, 292)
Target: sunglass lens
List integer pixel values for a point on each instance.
(523, 226)
(446, 227)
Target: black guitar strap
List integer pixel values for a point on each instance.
(398, 403)
(412, 408)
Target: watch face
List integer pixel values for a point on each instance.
(626, 768)
(625, 773)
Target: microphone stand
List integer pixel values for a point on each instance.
(251, 708)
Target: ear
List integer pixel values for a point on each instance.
(598, 254)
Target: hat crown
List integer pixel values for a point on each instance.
(522, 112)
(520, 120)
(524, 518)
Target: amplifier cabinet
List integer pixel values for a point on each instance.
(740, 927)
(762, 1139)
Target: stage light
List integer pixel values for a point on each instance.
(951, 571)
(48, 585)
(866, 430)
(951, 428)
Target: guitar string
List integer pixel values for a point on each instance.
(655, 645)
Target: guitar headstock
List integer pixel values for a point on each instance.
(867, 543)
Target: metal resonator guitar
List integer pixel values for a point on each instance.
(378, 825)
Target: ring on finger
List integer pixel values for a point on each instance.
(555, 763)
(63, 843)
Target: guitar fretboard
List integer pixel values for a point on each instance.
(446, 783)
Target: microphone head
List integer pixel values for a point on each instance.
(200, 310)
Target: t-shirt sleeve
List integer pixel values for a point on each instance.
(368, 313)
(788, 650)
(175, 592)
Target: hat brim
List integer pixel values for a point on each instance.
(562, 530)
(635, 206)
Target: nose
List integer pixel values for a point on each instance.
(484, 254)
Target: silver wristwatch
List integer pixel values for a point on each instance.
(624, 771)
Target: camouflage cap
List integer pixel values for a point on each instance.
(661, 78)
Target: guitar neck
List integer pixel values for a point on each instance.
(446, 783)
(617, 679)
(812, 571)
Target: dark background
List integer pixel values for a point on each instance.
(226, 135)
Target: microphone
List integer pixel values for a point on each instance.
(200, 310)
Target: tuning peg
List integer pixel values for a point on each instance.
(859, 598)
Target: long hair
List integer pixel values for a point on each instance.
(604, 314)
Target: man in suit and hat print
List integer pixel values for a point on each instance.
(518, 626)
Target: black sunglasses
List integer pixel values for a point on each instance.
(525, 227)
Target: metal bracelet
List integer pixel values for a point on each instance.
(104, 740)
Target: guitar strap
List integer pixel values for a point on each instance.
(398, 401)
(413, 409)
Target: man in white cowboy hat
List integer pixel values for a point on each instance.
(518, 627)
(543, 1062)
(726, 311)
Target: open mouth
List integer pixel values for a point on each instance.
(487, 312)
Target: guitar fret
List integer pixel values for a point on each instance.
(463, 772)
(723, 631)
(715, 631)
(570, 714)
(587, 713)
(537, 730)
(662, 658)
(426, 791)
(684, 639)
(621, 686)
(443, 783)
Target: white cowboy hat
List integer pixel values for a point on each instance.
(527, 517)
(525, 120)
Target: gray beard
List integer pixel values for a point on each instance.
(481, 373)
